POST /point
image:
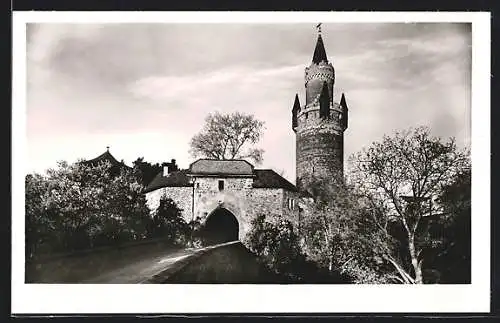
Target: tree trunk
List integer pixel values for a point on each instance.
(414, 261)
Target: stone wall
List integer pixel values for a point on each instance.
(181, 195)
(234, 197)
(291, 202)
(319, 153)
(238, 197)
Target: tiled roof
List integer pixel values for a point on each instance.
(267, 178)
(221, 167)
(263, 178)
(174, 179)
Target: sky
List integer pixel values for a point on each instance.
(145, 89)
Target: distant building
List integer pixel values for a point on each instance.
(116, 166)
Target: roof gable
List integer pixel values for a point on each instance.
(175, 179)
(267, 178)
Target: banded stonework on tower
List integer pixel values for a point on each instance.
(319, 124)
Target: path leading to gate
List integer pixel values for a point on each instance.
(229, 262)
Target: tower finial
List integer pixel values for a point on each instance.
(318, 27)
(107, 148)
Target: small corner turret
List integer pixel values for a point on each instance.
(295, 111)
(324, 102)
(345, 112)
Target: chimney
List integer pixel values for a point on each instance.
(173, 166)
(166, 169)
(169, 167)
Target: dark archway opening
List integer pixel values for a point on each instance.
(221, 226)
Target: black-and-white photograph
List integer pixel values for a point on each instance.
(316, 152)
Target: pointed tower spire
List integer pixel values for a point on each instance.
(345, 112)
(319, 52)
(295, 110)
(296, 103)
(343, 103)
(324, 102)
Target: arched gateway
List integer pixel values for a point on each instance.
(220, 226)
(224, 196)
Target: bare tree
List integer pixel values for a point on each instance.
(228, 136)
(402, 176)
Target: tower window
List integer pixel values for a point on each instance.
(221, 185)
(307, 113)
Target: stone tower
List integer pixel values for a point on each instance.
(320, 123)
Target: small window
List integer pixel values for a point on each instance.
(221, 185)
(197, 185)
(307, 114)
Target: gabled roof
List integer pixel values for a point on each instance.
(319, 52)
(263, 178)
(214, 167)
(175, 179)
(267, 178)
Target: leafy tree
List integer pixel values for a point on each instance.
(126, 205)
(338, 233)
(40, 221)
(74, 194)
(228, 136)
(196, 232)
(279, 246)
(79, 206)
(401, 177)
(451, 260)
(145, 171)
(169, 223)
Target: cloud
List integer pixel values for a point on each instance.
(240, 79)
(90, 86)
